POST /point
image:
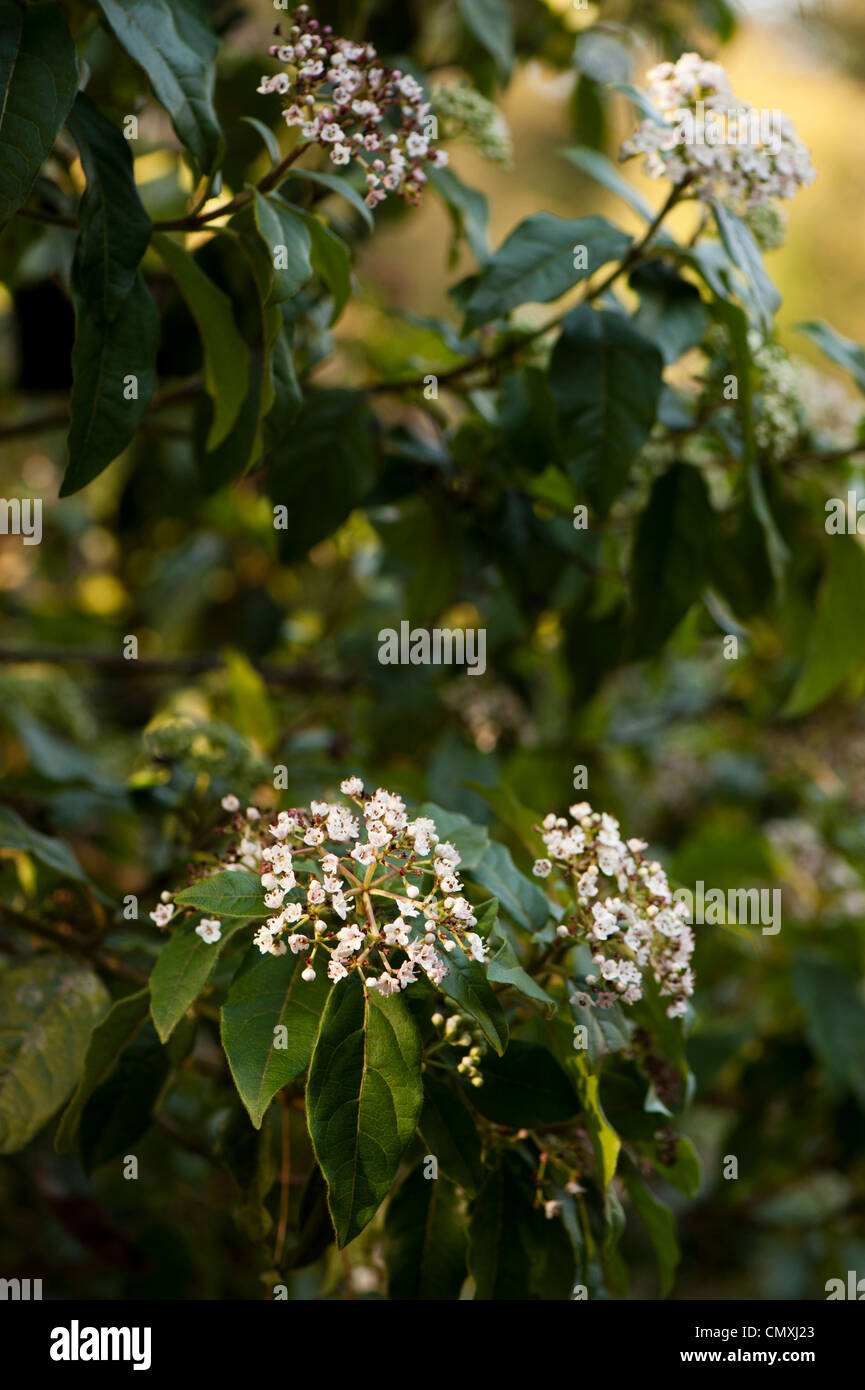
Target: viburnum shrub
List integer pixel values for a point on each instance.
(439, 1025)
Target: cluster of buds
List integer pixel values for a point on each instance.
(342, 98)
(700, 133)
(637, 928)
(364, 887)
(458, 1030)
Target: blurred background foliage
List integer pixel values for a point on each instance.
(126, 760)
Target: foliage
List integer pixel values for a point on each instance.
(602, 455)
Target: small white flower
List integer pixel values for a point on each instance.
(209, 929)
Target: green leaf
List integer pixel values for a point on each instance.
(425, 1239)
(684, 1173)
(675, 537)
(364, 1097)
(49, 1007)
(515, 1253)
(466, 983)
(326, 469)
(468, 208)
(285, 236)
(229, 893)
(120, 1110)
(837, 644)
(248, 1155)
(173, 42)
(340, 186)
(535, 264)
(606, 380)
(837, 348)
(660, 1226)
(741, 246)
(266, 995)
(271, 144)
(672, 314)
(607, 1030)
(471, 840)
(835, 1015)
(605, 1140)
(511, 812)
(491, 23)
(109, 361)
(107, 1041)
(504, 969)
(17, 834)
(524, 1088)
(182, 969)
(114, 228)
(331, 258)
(226, 356)
(521, 898)
(39, 79)
(604, 172)
(449, 1132)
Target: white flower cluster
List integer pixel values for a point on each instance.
(703, 133)
(342, 97)
(365, 887)
(635, 930)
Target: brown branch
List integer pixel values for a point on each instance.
(289, 677)
(59, 419)
(73, 945)
(483, 361)
(271, 180)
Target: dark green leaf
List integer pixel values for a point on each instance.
(672, 555)
(174, 44)
(114, 377)
(468, 208)
(449, 1133)
(504, 968)
(742, 248)
(107, 1041)
(837, 348)
(363, 1100)
(524, 1088)
(120, 1110)
(515, 1252)
(266, 996)
(331, 258)
(835, 1015)
(49, 1007)
(17, 834)
(491, 23)
(660, 1226)
(518, 895)
(342, 187)
(38, 78)
(606, 380)
(425, 1239)
(113, 227)
(466, 983)
(326, 469)
(286, 237)
(837, 645)
(536, 263)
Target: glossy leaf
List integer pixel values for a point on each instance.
(16, 834)
(466, 984)
(114, 377)
(174, 44)
(524, 1088)
(491, 23)
(363, 1100)
(266, 997)
(515, 1253)
(38, 78)
(229, 893)
(673, 547)
(425, 1239)
(837, 644)
(286, 238)
(536, 264)
(182, 969)
(114, 228)
(449, 1132)
(606, 380)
